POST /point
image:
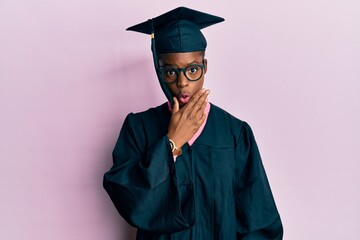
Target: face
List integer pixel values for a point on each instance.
(183, 89)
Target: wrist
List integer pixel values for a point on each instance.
(178, 142)
(174, 148)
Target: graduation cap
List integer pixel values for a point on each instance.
(176, 31)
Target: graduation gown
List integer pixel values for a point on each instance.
(217, 189)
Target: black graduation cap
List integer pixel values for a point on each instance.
(176, 31)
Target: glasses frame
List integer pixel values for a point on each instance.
(178, 70)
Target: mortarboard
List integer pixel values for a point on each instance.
(176, 31)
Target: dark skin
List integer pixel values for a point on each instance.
(187, 115)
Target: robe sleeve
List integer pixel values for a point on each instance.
(142, 183)
(256, 212)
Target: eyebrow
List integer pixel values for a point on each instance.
(172, 65)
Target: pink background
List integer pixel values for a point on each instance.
(69, 74)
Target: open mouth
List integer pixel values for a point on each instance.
(184, 97)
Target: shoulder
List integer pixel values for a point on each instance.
(227, 121)
(154, 114)
(222, 115)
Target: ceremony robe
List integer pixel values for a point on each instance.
(216, 190)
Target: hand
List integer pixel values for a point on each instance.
(186, 121)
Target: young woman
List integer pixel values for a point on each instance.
(187, 169)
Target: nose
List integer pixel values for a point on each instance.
(182, 81)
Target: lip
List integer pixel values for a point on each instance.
(184, 97)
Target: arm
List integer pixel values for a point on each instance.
(143, 186)
(257, 215)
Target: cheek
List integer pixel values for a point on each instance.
(172, 88)
(199, 84)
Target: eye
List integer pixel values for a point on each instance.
(170, 72)
(193, 70)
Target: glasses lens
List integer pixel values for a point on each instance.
(194, 72)
(169, 74)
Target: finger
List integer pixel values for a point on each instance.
(200, 104)
(202, 119)
(195, 100)
(198, 112)
(201, 110)
(202, 98)
(175, 106)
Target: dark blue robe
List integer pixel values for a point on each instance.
(216, 190)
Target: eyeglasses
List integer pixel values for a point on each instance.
(193, 73)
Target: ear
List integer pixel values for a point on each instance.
(205, 65)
